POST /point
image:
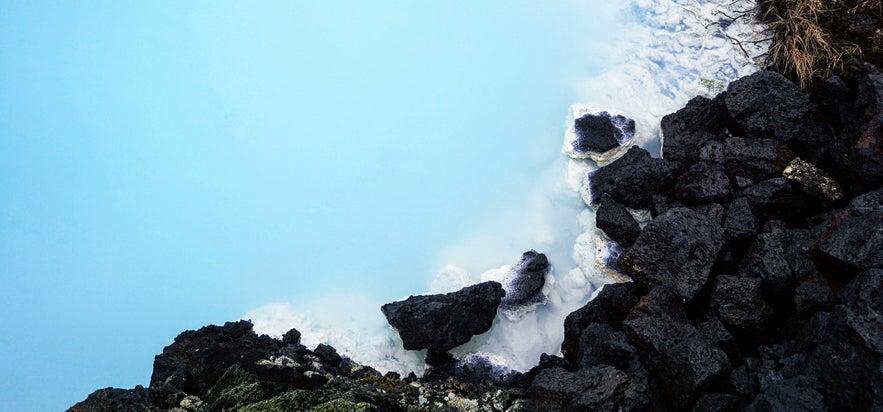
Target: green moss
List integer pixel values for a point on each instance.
(300, 400)
(342, 405)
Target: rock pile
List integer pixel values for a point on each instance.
(757, 285)
(229, 367)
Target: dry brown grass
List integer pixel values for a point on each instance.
(802, 48)
(809, 42)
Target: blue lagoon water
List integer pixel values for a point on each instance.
(167, 165)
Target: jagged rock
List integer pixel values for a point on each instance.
(676, 249)
(611, 306)
(442, 322)
(813, 181)
(616, 222)
(847, 361)
(112, 399)
(685, 131)
(292, 337)
(718, 402)
(715, 332)
(788, 395)
(738, 302)
(601, 344)
(768, 105)
(596, 133)
(775, 198)
(755, 159)
(197, 359)
(702, 183)
(715, 212)
(740, 221)
(662, 203)
(812, 295)
(328, 354)
(598, 388)
(766, 260)
(679, 358)
(526, 280)
(632, 179)
(855, 242)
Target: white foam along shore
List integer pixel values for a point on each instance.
(667, 52)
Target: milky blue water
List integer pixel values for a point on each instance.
(166, 165)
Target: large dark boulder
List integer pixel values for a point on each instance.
(525, 283)
(702, 183)
(740, 223)
(855, 242)
(768, 105)
(755, 159)
(677, 249)
(685, 131)
(597, 388)
(776, 199)
(847, 363)
(680, 359)
(113, 399)
(611, 306)
(601, 344)
(600, 132)
(442, 322)
(766, 259)
(616, 222)
(739, 303)
(632, 179)
(197, 359)
(794, 394)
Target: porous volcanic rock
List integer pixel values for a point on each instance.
(768, 105)
(444, 321)
(600, 132)
(679, 357)
(676, 249)
(525, 283)
(632, 179)
(616, 221)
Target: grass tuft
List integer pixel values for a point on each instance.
(807, 45)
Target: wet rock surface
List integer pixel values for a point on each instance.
(601, 132)
(758, 285)
(441, 322)
(525, 284)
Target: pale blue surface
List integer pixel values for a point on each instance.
(166, 165)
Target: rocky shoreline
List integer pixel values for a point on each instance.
(758, 285)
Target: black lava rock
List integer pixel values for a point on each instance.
(601, 344)
(616, 222)
(528, 278)
(685, 131)
(598, 388)
(755, 159)
(768, 105)
(702, 183)
(739, 303)
(740, 222)
(601, 132)
(611, 306)
(632, 179)
(766, 260)
(775, 199)
(855, 242)
(442, 322)
(678, 356)
(197, 359)
(676, 249)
